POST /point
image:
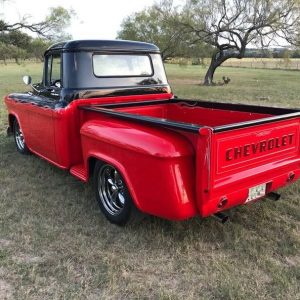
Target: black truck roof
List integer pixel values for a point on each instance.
(104, 45)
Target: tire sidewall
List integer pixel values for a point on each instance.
(124, 216)
(24, 150)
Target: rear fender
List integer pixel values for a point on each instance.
(157, 164)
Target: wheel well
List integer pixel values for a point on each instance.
(91, 164)
(11, 120)
(92, 161)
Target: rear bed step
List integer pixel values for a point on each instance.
(79, 171)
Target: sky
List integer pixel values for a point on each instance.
(98, 19)
(95, 19)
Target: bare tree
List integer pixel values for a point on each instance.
(231, 25)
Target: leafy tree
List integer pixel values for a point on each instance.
(156, 25)
(37, 48)
(52, 28)
(231, 25)
(16, 38)
(56, 23)
(11, 52)
(296, 53)
(20, 45)
(17, 53)
(17, 44)
(4, 52)
(198, 51)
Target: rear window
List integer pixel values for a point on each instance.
(121, 65)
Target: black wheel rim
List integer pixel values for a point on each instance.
(111, 190)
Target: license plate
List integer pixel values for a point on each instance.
(256, 192)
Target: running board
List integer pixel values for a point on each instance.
(79, 171)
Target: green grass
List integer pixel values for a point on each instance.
(263, 87)
(55, 244)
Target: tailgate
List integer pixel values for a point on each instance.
(264, 157)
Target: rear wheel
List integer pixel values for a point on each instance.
(19, 138)
(112, 195)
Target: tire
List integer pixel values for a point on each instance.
(113, 196)
(19, 138)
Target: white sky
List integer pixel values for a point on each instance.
(95, 19)
(98, 19)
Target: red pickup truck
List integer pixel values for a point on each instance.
(105, 109)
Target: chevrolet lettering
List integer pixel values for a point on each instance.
(257, 148)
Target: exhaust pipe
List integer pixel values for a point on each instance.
(273, 196)
(221, 217)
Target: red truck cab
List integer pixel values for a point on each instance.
(104, 109)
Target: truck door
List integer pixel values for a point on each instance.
(41, 117)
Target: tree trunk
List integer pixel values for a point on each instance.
(202, 62)
(209, 76)
(216, 61)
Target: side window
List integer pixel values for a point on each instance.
(48, 70)
(53, 73)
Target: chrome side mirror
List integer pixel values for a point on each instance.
(27, 79)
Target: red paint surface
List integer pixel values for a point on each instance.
(170, 173)
(192, 114)
(232, 177)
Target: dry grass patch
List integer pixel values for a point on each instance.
(6, 290)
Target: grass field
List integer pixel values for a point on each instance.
(55, 244)
(263, 87)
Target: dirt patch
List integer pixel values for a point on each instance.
(27, 259)
(3, 271)
(5, 243)
(293, 261)
(6, 290)
(97, 294)
(186, 81)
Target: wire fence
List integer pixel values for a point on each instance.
(265, 63)
(254, 63)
